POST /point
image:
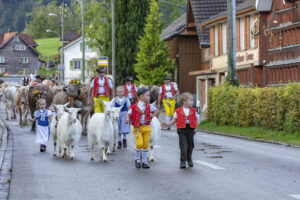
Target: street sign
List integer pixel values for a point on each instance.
(103, 61)
(61, 67)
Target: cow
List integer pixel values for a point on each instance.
(35, 93)
(7, 95)
(21, 102)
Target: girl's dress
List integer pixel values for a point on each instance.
(42, 126)
(122, 125)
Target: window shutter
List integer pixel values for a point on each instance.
(29, 60)
(5, 60)
(71, 64)
(20, 60)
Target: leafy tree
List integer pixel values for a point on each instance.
(171, 10)
(153, 62)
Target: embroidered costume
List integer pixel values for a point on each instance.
(168, 91)
(42, 126)
(130, 91)
(101, 90)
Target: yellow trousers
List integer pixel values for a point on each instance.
(169, 105)
(142, 136)
(98, 106)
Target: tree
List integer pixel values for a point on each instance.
(153, 62)
(171, 9)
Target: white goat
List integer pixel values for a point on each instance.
(155, 135)
(59, 110)
(100, 131)
(115, 117)
(69, 131)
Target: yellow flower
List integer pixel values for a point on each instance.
(77, 82)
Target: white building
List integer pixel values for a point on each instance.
(73, 59)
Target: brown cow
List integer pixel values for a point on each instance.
(21, 102)
(46, 94)
(59, 96)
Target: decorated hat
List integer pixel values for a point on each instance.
(101, 69)
(40, 77)
(129, 78)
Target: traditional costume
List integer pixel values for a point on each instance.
(141, 118)
(42, 127)
(123, 127)
(186, 124)
(130, 90)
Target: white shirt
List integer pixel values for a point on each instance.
(120, 101)
(142, 107)
(168, 89)
(129, 91)
(101, 82)
(187, 113)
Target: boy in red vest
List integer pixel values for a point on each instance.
(130, 89)
(101, 88)
(168, 93)
(141, 114)
(186, 118)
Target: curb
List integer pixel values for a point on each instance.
(6, 154)
(249, 138)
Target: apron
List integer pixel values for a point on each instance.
(42, 127)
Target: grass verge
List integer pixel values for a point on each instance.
(253, 132)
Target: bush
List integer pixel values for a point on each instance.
(276, 108)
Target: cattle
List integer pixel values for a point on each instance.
(21, 102)
(35, 93)
(7, 96)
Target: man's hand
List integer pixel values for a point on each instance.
(158, 106)
(164, 125)
(89, 102)
(195, 131)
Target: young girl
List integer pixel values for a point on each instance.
(141, 114)
(42, 128)
(186, 118)
(123, 127)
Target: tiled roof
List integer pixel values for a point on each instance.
(6, 38)
(177, 26)
(28, 39)
(70, 35)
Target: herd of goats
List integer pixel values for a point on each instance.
(69, 103)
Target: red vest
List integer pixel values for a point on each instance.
(96, 86)
(164, 90)
(136, 115)
(181, 118)
(132, 90)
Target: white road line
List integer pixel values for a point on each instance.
(296, 196)
(157, 147)
(208, 165)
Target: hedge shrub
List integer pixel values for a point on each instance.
(276, 108)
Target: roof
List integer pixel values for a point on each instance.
(6, 37)
(70, 35)
(176, 27)
(71, 42)
(28, 39)
(241, 5)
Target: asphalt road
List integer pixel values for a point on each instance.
(225, 169)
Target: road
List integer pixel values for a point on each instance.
(225, 169)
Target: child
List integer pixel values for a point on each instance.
(123, 127)
(186, 118)
(141, 114)
(42, 128)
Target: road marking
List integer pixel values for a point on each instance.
(157, 147)
(213, 166)
(296, 196)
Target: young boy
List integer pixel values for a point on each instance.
(141, 114)
(186, 118)
(123, 127)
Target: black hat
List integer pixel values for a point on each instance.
(101, 69)
(129, 78)
(167, 77)
(40, 77)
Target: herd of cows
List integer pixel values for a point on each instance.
(73, 117)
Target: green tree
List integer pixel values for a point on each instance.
(153, 62)
(171, 10)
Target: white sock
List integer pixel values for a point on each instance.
(119, 137)
(145, 155)
(138, 155)
(124, 136)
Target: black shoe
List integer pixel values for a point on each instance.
(138, 164)
(145, 166)
(190, 163)
(182, 164)
(41, 148)
(169, 128)
(124, 143)
(119, 145)
(45, 148)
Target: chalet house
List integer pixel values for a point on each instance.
(18, 54)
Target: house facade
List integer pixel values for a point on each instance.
(73, 59)
(18, 54)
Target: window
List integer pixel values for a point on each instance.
(2, 70)
(252, 40)
(20, 47)
(2, 59)
(216, 41)
(207, 54)
(77, 64)
(24, 60)
(16, 38)
(242, 34)
(224, 39)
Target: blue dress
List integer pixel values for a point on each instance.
(122, 125)
(42, 126)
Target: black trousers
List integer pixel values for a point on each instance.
(186, 142)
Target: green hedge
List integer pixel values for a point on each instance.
(276, 108)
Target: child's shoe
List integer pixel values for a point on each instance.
(182, 164)
(45, 148)
(190, 163)
(41, 148)
(124, 143)
(145, 166)
(119, 145)
(138, 164)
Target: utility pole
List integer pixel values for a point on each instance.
(113, 42)
(231, 43)
(62, 41)
(83, 41)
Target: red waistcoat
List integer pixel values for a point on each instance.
(163, 87)
(96, 86)
(181, 118)
(136, 115)
(132, 90)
